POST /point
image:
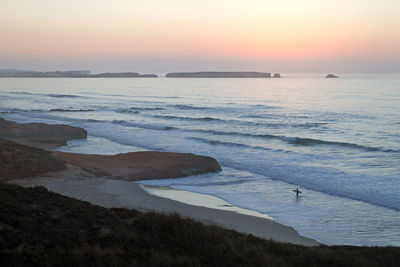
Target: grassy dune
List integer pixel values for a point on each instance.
(41, 228)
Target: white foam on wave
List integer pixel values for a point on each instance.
(279, 165)
(97, 145)
(329, 219)
(319, 139)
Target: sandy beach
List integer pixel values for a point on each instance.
(127, 194)
(111, 180)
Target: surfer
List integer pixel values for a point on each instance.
(298, 192)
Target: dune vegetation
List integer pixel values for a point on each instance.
(41, 228)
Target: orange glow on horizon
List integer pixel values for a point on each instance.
(289, 29)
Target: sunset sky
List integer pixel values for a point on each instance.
(161, 36)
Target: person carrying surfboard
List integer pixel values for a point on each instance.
(297, 191)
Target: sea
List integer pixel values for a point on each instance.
(337, 140)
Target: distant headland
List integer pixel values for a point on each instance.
(11, 73)
(217, 74)
(71, 74)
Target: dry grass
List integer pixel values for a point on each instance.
(40, 228)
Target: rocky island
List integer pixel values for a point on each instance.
(216, 74)
(331, 76)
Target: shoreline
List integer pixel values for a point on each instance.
(126, 194)
(198, 199)
(111, 180)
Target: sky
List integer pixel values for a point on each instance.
(160, 36)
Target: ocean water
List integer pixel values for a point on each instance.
(338, 140)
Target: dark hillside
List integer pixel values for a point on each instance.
(40, 228)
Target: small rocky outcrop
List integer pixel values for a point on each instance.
(276, 75)
(40, 134)
(331, 76)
